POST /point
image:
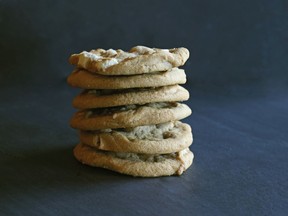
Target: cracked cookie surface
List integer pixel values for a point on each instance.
(139, 60)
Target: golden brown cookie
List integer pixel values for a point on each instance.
(87, 80)
(138, 60)
(110, 98)
(129, 116)
(150, 139)
(141, 165)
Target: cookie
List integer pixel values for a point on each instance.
(138, 60)
(141, 165)
(129, 116)
(86, 80)
(110, 98)
(150, 139)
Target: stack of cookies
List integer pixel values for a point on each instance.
(129, 110)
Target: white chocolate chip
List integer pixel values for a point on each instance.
(109, 62)
(111, 52)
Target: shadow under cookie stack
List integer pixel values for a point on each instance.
(129, 110)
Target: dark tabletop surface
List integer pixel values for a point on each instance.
(237, 77)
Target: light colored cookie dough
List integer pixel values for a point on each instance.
(141, 165)
(129, 116)
(138, 60)
(111, 98)
(87, 80)
(150, 139)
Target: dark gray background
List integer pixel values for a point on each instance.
(237, 77)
